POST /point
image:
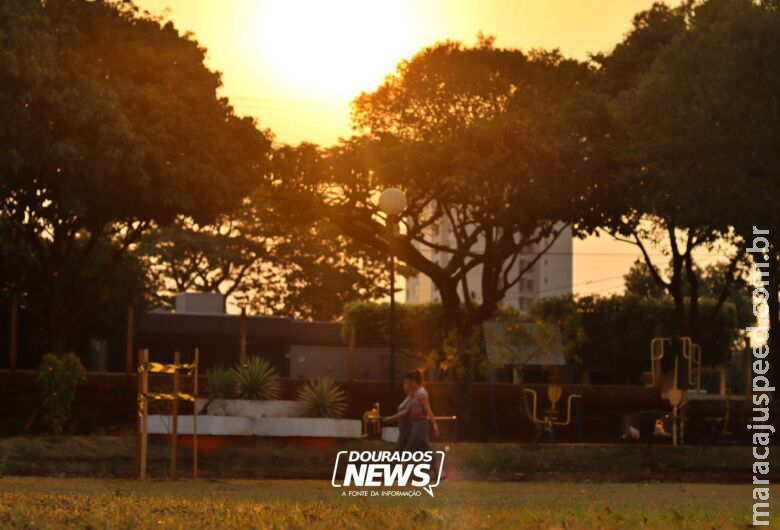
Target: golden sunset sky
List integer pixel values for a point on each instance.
(297, 64)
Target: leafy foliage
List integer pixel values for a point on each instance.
(419, 327)
(702, 120)
(322, 398)
(690, 89)
(111, 124)
(491, 145)
(613, 333)
(269, 255)
(711, 279)
(257, 379)
(59, 376)
(222, 383)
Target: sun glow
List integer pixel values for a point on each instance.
(331, 51)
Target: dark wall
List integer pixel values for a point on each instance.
(217, 338)
(106, 402)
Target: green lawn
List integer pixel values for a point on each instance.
(31, 502)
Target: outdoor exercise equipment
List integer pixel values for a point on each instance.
(687, 362)
(687, 375)
(372, 423)
(550, 416)
(176, 369)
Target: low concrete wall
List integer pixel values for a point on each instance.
(242, 426)
(250, 408)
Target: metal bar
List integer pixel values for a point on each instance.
(392, 332)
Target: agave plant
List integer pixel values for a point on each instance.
(222, 383)
(257, 379)
(322, 398)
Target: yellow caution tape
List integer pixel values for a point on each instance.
(162, 395)
(161, 368)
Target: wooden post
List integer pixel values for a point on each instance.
(351, 354)
(129, 340)
(12, 343)
(144, 376)
(138, 416)
(242, 337)
(195, 417)
(175, 414)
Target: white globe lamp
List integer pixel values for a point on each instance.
(392, 201)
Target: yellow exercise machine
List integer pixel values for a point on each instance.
(550, 417)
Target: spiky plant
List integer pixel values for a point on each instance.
(257, 380)
(322, 398)
(222, 383)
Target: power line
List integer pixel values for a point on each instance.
(606, 289)
(580, 284)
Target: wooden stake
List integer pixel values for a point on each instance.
(139, 414)
(242, 337)
(144, 376)
(195, 417)
(175, 414)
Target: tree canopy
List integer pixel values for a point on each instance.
(495, 150)
(110, 124)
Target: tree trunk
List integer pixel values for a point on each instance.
(463, 375)
(675, 288)
(59, 340)
(693, 302)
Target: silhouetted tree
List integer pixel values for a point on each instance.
(110, 125)
(270, 255)
(707, 114)
(671, 205)
(496, 152)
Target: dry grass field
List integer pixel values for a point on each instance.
(32, 502)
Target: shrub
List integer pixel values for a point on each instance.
(222, 383)
(613, 333)
(257, 379)
(322, 398)
(160, 406)
(59, 377)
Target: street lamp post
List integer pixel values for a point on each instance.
(392, 202)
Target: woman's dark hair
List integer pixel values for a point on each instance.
(414, 375)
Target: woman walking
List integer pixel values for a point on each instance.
(417, 413)
(403, 419)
